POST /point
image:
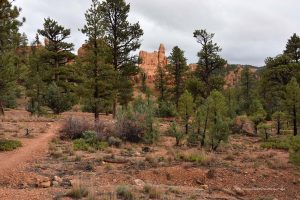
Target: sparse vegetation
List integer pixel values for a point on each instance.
(78, 191)
(9, 145)
(124, 192)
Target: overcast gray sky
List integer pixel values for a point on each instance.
(248, 31)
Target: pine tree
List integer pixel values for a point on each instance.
(247, 88)
(278, 119)
(209, 62)
(293, 48)
(160, 82)
(9, 41)
(176, 71)
(217, 119)
(257, 113)
(35, 84)
(98, 74)
(293, 102)
(59, 76)
(123, 38)
(185, 109)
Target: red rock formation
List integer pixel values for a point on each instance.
(150, 61)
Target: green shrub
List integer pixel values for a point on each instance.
(175, 131)
(57, 100)
(194, 158)
(9, 145)
(136, 122)
(295, 150)
(166, 109)
(114, 141)
(277, 143)
(80, 145)
(124, 192)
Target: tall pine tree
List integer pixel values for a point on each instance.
(177, 70)
(293, 102)
(98, 74)
(60, 76)
(209, 62)
(9, 41)
(123, 38)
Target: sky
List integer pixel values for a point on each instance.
(247, 31)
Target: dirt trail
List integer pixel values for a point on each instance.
(31, 150)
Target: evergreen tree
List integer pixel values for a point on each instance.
(247, 88)
(293, 102)
(58, 52)
(9, 41)
(160, 82)
(56, 56)
(257, 113)
(123, 38)
(177, 70)
(278, 119)
(293, 48)
(98, 74)
(35, 84)
(185, 109)
(209, 62)
(217, 119)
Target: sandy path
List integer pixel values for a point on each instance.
(31, 150)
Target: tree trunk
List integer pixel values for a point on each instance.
(115, 108)
(295, 120)
(205, 127)
(278, 127)
(1, 109)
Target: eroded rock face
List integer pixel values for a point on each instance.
(150, 61)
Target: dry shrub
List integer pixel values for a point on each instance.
(73, 128)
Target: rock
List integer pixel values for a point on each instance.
(46, 184)
(205, 187)
(55, 184)
(58, 179)
(139, 182)
(239, 191)
(243, 125)
(138, 154)
(150, 61)
(73, 182)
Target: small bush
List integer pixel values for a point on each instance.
(57, 100)
(124, 192)
(136, 122)
(89, 142)
(295, 151)
(78, 191)
(80, 145)
(9, 145)
(114, 141)
(166, 109)
(277, 143)
(194, 158)
(73, 128)
(175, 131)
(153, 192)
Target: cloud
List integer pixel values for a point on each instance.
(247, 31)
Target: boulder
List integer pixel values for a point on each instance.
(139, 182)
(243, 125)
(58, 179)
(46, 184)
(239, 191)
